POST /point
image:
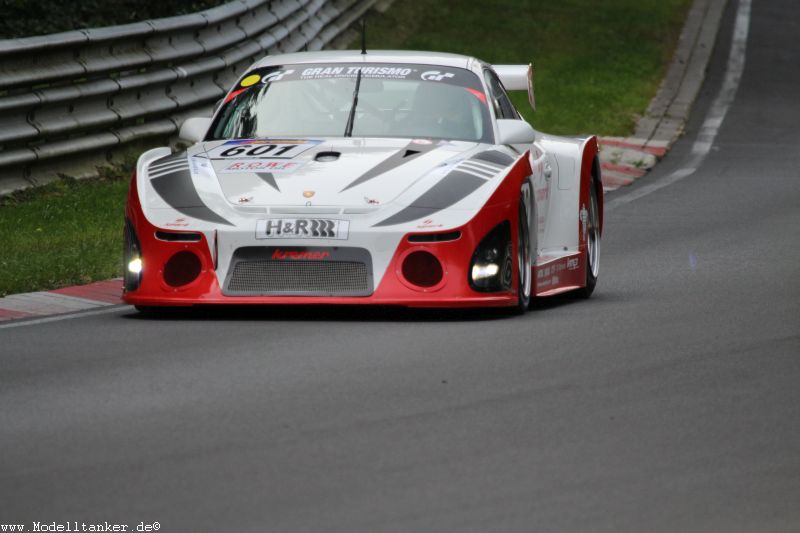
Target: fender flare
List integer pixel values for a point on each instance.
(590, 168)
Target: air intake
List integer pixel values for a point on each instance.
(294, 271)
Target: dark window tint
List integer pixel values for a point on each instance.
(503, 107)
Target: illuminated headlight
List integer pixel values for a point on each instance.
(135, 266)
(132, 259)
(481, 272)
(491, 266)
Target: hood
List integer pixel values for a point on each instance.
(343, 172)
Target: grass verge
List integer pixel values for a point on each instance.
(65, 233)
(598, 64)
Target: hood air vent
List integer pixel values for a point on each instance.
(327, 157)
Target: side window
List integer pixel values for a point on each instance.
(503, 108)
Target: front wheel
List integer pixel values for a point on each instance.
(592, 225)
(524, 279)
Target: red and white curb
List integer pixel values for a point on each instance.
(624, 160)
(60, 301)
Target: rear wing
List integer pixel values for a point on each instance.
(517, 78)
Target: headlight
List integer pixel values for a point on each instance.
(135, 266)
(132, 259)
(481, 272)
(491, 267)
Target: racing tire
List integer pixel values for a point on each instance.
(592, 242)
(524, 268)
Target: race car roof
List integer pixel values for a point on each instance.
(372, 56)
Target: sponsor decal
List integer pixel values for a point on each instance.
(278, 75)
(377, 71)
(435, 75)
(292, 255)
(262, 148)
(252, 79)
(245, 199)
(550, 275)
(178, 223)
(302, 228)
(428, 223)
(371, 201)
(351, 71)
(321, 71)
(275, 167)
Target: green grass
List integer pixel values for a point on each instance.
(598, 64)
(64, 233)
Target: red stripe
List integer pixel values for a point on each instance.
(8, 314)
(656, 151)
(478, 94)
(234, 94)
(102, 291)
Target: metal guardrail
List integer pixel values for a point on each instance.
(91, 90)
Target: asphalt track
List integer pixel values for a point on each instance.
(668, 402)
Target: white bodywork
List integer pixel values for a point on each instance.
(311, 188)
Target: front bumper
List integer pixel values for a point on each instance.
(393, 288)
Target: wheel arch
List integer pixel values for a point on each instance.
(597, 180)
(589, 175)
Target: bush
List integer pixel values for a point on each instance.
(23, 18)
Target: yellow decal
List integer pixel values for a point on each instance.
(251, 80)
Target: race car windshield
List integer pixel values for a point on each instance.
(393, 100)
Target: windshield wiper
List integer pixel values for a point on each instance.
(348, 129)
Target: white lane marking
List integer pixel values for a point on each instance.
(56, 318)
(47, 303)
(715, 116)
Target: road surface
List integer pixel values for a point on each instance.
(669, 402)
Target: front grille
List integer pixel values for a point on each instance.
(255, 272)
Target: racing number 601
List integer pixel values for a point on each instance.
(261, 149)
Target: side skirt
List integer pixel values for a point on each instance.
(556, 274)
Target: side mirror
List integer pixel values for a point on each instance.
(514, 132)
(194, 129)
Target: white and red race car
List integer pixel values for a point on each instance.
(393, 178)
